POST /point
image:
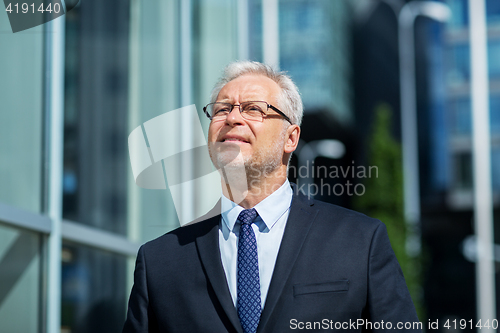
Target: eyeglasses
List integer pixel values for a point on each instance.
(252, 110)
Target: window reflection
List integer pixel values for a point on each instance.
(94, 287)
(21, 116)
(20, 278)
(493, 11)
(95, 124)
(493, 56)
(458, 66)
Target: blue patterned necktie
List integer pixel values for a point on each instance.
(248, 274)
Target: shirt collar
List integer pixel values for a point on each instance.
(270, 209)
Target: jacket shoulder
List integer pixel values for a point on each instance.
(344, 213)
(331, 212)
(181, 236)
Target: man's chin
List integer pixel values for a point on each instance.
(230, 162)
(226, 155)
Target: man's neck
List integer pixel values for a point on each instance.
(255, 190)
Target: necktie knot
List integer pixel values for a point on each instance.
(247, 216)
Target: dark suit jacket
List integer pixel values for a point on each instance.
(334, 266)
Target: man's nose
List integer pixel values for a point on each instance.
(235, 117)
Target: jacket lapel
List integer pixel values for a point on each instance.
(302, 215)
(209, 252)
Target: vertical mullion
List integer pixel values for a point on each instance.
(270, 33)
(186, 98)
(133, 192)
(481, 148)
(54, 111)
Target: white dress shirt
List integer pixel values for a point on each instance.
(268, 228)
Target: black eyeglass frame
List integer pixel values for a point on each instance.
(269, 106)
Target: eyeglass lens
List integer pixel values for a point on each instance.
(249, 110)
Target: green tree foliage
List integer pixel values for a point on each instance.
(383, 198)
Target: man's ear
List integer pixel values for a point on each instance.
(292, 138)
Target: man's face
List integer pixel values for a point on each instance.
(260, 143)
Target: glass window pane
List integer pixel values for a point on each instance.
(495, 114)
(460, 116)
(462, 163)
(495, 169)
(20, 281)
(314, 50)
(95, 124)
(255, 30)
(458, 64)
(459, 13)
(20, 116)
(94, 290)
(216, 31)
(494, 59)
(123, 69)
(154, 90)
(493, 11)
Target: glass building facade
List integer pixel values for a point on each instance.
(71, 91)
(446, 159)
(21, 177)
(315, 48)
(122, 63)
(444, 122)
(451, 122)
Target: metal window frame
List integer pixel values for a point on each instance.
(99, 239)
(53, 109)
(19, 218)
(70, 231)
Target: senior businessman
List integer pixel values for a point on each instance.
(273, 260)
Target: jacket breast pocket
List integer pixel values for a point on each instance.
(340, 286)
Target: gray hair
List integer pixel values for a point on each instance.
(289, 100)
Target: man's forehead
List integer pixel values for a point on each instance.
(249, 85)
